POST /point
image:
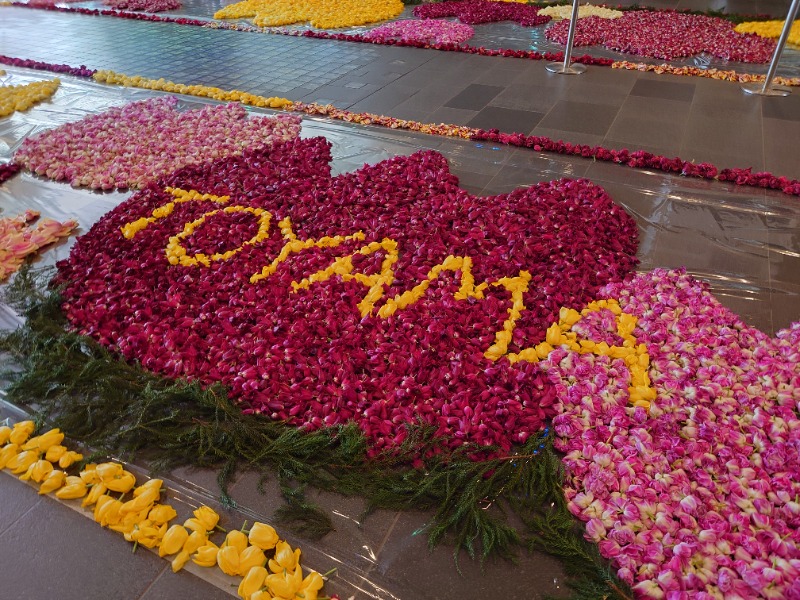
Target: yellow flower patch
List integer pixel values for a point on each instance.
(201, 91)
(22, 97)
(322, 15)
(770, 29)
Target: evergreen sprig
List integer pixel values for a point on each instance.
(119, 408)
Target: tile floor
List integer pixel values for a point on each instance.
(745, 242)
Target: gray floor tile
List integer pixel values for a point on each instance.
(787, 109)
(16, 500)
(506, 119)
(455, 116)
(474, 97)
(537, 98)
(583, 117)
(781, 154)
(724, 144)
(80, 559)
(669, 90)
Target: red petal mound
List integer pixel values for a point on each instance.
(387, 296)
(474, 12)
(667, 35)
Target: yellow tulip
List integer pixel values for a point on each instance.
(98, 489)
(89, 474)
(123, 482)
(237, 539)
(162, 513)
(106, 510)
(73, 488)
(139, 518)
(108, 470)
(195, 525)
(285, 585)
(44, 441)
(264, 536)
(38, 471)
(149, 537)
(228, 560)
(69, 458)
(21, 432)
(7, 452)
(206, 555)
(252, 582)
(126, 529)
(55, 452)
(311, 585)
(144, 500)
(19, 463)
(180, 560)
(173, 541)
(252, 556)
(5, 433)
(53, 482)
(285, 559)
(207, 516)
(195, 540)
(148, 487)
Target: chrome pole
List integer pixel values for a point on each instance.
(566, 68)
(767, 89)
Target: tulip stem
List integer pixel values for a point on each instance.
(244, 527)
(328, 574)
(222, 529)
(135, 546)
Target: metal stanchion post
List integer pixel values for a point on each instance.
(767, 89)
(566, 68)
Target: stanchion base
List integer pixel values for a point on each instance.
(558, 67)
(758, 88)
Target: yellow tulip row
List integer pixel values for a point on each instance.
(323, 15)
(22, 97)
(586, 10)
(202, 91)
(144, 520)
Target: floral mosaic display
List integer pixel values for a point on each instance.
(127, 147)
(21, 97)
(428, 31)
(387, 296)
(473, 12)
(325, 15)
(18, 240)
(667, 35)
(697, 496)
(152, 6)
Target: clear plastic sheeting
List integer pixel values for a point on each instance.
(744, 242)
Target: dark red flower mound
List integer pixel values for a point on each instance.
(667, 35)
(294, 319)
